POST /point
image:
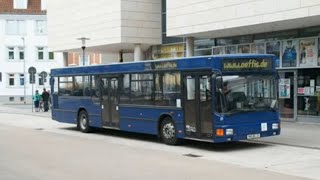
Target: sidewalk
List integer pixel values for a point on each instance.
(25, 109)
(292, 133)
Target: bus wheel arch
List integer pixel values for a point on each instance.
(167, 130)
(83, 121)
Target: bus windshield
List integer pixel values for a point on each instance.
(245, 93)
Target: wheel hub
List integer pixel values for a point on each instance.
(83, 121)
(168, 131)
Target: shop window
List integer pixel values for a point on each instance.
(244, 48)
(258, 48)
(307, 57)
(231, 49)
(289, 53)
(308, 92)
(203, 52)
(274, 48)
(217, 50)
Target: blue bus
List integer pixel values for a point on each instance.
(213, 98)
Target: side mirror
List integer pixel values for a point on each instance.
(273, 104)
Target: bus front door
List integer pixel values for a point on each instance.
(198, 105)
(109, 102)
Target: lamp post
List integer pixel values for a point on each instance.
(24, 71)
(83, 47)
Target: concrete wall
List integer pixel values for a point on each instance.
(111, 25)
(185, 17)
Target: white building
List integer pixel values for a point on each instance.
(23, 44)
(197, 27)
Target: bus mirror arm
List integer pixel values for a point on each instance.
(273, 105)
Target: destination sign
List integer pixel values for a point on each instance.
(230, 64)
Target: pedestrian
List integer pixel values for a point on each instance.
(49, 98)
(36, 99)
(45, 98)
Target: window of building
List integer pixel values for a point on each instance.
(16, 27)
(41, 27)
(21, 79)
(11, 53)
(11, 98)
(21, 53)
(43, 5)
(11, 79)
(20, 4)
(51, 56)
(21, 98)
(40, 53)
(41, 80)
(0, 76)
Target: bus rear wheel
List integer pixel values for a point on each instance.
(83, 122)
(168, 132)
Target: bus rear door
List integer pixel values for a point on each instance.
(109, 101)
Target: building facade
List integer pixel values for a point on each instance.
(23, 44)
(290, 29)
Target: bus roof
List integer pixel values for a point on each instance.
(184, 63)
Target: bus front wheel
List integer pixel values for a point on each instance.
(83, 122)
(168, 132)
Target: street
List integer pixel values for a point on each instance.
(35, 147)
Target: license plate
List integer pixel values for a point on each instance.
(253, 136)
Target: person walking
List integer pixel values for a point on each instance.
(45, 98)
(36, 99)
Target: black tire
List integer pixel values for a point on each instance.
(83, 122)
(168, 132)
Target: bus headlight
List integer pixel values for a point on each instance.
(275, 125)
(229, 131)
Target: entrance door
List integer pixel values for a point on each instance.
(198, 105)
(287, 95)
(109, 101)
